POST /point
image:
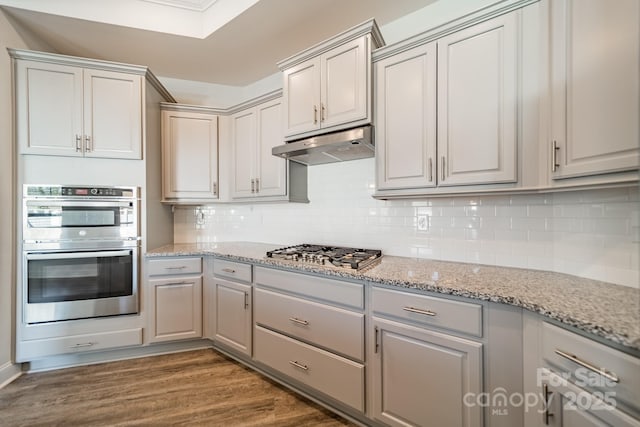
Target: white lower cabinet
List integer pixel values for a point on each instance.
(421, 377)
(335, 376)
(233, 315)
(311, 330)
(175, 299)
(231, 311)
(421, 374)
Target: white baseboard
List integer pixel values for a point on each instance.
(71, 360)
(9, 372)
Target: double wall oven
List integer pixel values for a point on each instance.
(80, 252)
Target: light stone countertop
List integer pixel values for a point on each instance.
(602, 309)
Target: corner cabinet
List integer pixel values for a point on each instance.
(231, 311)
(258, 173)
(595, 80)
(189, 154)
(328, 87)
(446, 110)
(66, 108)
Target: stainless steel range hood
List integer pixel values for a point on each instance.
(338, 146)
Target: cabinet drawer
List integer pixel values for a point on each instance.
(442, 313)
(333, 291)
(166, 266)
(329, 327)
(232, 270)
(582, 358)
(34, 349)
(332, 375)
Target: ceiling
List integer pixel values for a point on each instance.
(244, 46)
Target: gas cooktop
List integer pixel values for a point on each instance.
(347, 258)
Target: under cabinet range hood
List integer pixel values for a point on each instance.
(351, 144)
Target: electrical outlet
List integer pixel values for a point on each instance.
(423, 222)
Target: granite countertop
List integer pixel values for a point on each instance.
(602, 309)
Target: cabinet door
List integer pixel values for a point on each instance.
(406, 119)
(567, 405)
(344, 83)
(176, 311)
(190, 155)
(421, 377)
(271, 171)
(49, 108)
(301, 91)
(243, 154)
(595, 82)
(477, 95)
(112, 114)
(233, 315)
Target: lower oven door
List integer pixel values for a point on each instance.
(65, 285)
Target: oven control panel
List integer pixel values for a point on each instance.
(77, 191)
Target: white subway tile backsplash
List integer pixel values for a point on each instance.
(593, 234)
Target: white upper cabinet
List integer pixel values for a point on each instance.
(477, 103)
(256, 172)
(406, 119)
(595, 55)
(189, 154)
(328, 87)
(68, 110)
(446, 110)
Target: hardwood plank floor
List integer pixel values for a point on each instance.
(195, 388)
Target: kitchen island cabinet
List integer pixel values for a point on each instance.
(78, 107)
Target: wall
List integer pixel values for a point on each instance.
(593, 234)
(9, 37)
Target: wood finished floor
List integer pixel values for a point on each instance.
(195, 388)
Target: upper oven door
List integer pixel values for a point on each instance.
(61, 220)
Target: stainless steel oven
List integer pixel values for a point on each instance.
(80, 252)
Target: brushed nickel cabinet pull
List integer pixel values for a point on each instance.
(420, 311)
(299, 321)
(215, 188)
(84, 344)
(546, 413)
(246, 300)
(175, 283)
(78, 143)
(554, 156)
(315, 114)
(430, 169)
(88, 145)
(257, 185)
(376, 342)
(253, 186)
(444, 162)
(321, 112)
(180, 267)
(299, 365)
(600, 371)
(228, 270)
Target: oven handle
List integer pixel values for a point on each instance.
(75, 255)
(79, 203)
